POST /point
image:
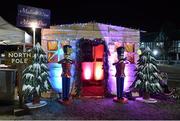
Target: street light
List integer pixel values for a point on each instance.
(155, 52)
(2, 55)
(34, 26)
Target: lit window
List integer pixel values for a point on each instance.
(87, 70)
(178, 43)
(98, 71)
(52, 45)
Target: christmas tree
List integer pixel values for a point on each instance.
(147, 74)
(36, 75)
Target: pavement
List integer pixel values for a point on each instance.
(105, 109)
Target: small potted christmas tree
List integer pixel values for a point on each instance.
(147, 76)
(36, 75)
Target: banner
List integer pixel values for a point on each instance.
(27, 15)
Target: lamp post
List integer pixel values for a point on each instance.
(34, 26)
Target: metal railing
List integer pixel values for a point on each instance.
(170, 62)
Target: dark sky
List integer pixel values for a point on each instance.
(146, 15)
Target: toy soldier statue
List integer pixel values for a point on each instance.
(120, 65)
(66, 73)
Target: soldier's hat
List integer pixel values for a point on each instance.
(120, 52)
(65, 48)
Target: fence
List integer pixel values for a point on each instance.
(169, 62)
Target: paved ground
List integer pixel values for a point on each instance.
(164, 109)
(104, 109)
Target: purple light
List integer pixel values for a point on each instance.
(117, 35)
(111, 34)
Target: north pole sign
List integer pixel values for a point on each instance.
(16, 58)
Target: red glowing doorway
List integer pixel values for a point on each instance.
(92, 76)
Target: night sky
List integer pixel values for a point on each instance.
(146, 15)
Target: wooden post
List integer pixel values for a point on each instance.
(20, 84)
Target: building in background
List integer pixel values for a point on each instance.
(150, 39)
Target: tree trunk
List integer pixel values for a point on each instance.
(36, 99)
(146, 95)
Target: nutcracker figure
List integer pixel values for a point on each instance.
(66, 73)
(120, 65)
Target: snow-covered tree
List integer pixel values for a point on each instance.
(36, 75)
(147, 74)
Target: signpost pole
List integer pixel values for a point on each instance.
(34, 36)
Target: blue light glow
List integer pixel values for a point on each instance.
(56, 69)
(55, 76)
